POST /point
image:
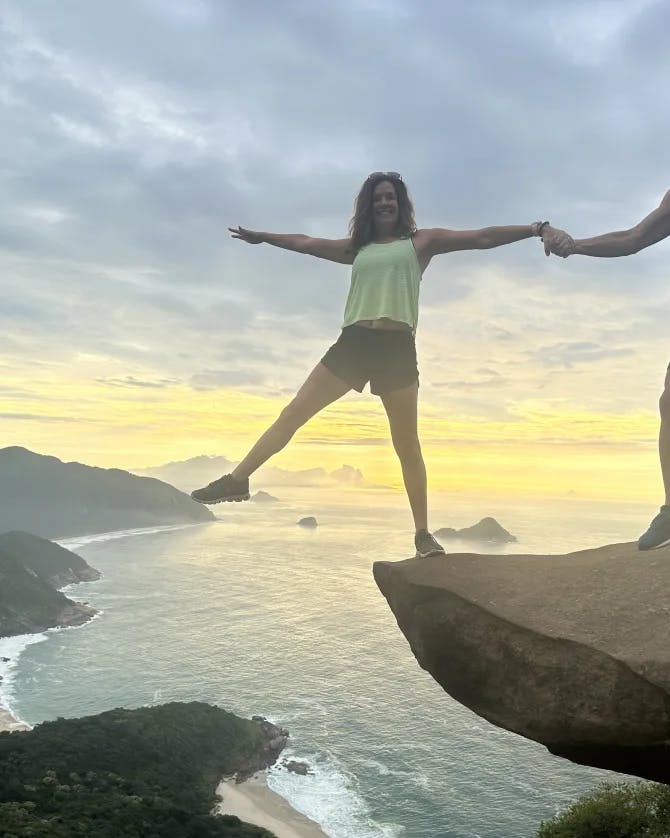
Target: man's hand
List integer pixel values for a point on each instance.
(557, 241)
(249, 236)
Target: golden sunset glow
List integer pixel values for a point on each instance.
(136, 330)
(538, 452)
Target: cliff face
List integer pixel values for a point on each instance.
(50, 562)
(47, 497)
(572, 651)
(31, 570)
(29, 605)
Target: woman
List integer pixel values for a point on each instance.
(388, 256)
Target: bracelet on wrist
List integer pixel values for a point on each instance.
(538, 226)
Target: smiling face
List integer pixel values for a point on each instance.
(385, 206)
(383, 211)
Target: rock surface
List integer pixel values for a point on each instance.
(488, 529)
(273, 741)
(310, 522)
(296, 767)
(572, 650)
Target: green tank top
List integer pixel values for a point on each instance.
(385, 281)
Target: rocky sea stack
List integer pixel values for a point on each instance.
(570, 650)
(488, 529)
(264, 497)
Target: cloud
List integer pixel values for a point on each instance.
(130, 381)
(125, 158)
(568, 354)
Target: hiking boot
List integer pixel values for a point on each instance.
(427, 545)
(226, 488)
(658, 534)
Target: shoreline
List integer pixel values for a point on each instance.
(8, 721)
(253, 801)
(12, 646)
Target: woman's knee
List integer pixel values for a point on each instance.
(407, 446)
(293, 416)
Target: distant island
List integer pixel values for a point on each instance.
(31, 571)
(44, 496)
(151, 772)
(264, 497)
(488, 529)
(198, 471)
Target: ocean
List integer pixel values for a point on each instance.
(260, 616)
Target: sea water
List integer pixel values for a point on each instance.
(261, 616)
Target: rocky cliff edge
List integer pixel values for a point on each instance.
(572, 650)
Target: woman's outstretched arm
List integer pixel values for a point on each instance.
(335, 250)
(440, 240)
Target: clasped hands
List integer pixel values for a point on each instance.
(557, 241)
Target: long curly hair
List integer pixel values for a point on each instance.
(361, 227)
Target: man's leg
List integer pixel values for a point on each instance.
(401, 409)
(321, 388)
(658, 534)
(664, 436)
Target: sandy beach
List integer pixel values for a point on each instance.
(253, 802)
(8, 722)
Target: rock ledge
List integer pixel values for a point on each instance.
(572, 650)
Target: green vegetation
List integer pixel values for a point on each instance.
(146, 773)
(621, 810)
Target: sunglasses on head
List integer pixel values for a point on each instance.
(389, 175)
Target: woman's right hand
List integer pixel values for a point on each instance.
(249, 236)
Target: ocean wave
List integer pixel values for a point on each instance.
(417, 778)
(328, 795)
(10, 652)
(75, 542)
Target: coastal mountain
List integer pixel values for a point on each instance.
(199, 471)
(31, 570)
(52, 563)
(47, 497)
(151, 772)
(29, 605)
(190, 474)
(569, 650)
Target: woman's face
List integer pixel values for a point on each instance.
(385, 204)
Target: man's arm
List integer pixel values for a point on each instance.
(653, 228)
(335, 250)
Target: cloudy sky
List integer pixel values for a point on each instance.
(135, 331)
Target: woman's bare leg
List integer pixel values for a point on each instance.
(401, 409)
(321, 388)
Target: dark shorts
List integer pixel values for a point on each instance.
(384, 357)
